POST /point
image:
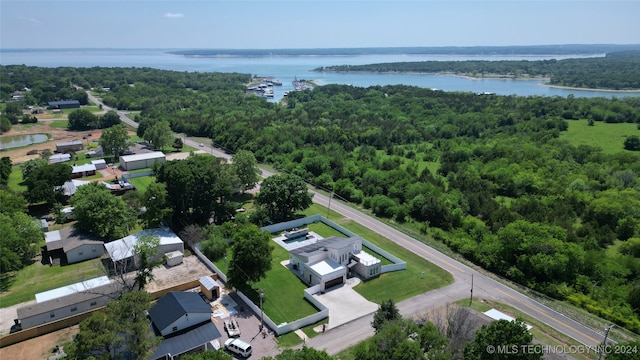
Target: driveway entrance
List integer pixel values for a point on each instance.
(345, 304)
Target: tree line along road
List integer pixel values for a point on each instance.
(483, 286)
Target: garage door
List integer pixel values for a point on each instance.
(334, 282)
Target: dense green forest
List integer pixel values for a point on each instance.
(487, 175)
(616, 71)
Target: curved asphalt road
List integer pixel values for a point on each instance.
(349, 334)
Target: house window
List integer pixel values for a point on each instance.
(80, 252)
(75, 308)
(52, 315)
(175, 328)
(93, 249)
(93, 303)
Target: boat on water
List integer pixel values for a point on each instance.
(300, 85)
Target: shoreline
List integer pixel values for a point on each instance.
(498, 77)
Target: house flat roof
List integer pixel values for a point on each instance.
(72, 289)
(145, 156)
(326, 267)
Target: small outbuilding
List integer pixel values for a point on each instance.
(58, 158)
(141, 161)
(68, 246)
(209, 287)
(63, 147)
(122, 251)
(100, 164)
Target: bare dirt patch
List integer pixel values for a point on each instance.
(56, 135)
(40, 347)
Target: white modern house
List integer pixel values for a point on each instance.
(122, 250)
(141, 161)
(327, 262)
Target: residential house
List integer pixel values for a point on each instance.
(329, 261)
(85, 170)
(122, 251)
(183, 319)
(60, 303)
(69, 246)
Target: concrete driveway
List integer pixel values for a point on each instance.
(345, 305)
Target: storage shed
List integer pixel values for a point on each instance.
(57, 158)
(174, 258)
(209, 288)
(99, 164)
(141, 161)
(79, 171)
(75, 145)
(65, 104)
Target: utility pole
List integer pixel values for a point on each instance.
(471, 298)
(261, 311)
(604, 343)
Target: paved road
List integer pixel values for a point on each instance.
(483, 286)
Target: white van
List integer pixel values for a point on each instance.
(238, 347)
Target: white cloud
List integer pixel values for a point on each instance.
(30, 20)
(173, 15)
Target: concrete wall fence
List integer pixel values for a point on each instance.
(323, 312)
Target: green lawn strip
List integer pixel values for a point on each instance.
(15, 179)
(141, 183)
(540, 331)
(405, 283)
(324, 230)
(288, 340)
(609, 137)
(310, 332)
(37, 278)
(385, 261)
(59, 124)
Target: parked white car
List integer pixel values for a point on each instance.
(238, 347)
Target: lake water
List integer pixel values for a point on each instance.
(8, 142)
(288, 68)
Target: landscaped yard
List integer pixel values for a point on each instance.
(141, 183)
(37, 278)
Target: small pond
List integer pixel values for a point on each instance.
(8, 142)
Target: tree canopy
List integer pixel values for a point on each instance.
(283, 195)
(492, 339)
(251, 257)
(100, 213)
(115, 140)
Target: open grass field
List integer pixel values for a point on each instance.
(609, 137)
(60, 124)
(15, 179)
(37, 278)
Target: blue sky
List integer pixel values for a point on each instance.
(241, 24)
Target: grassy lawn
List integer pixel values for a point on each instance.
(59, 124)
(283, 291)
(37, 278)
(609, 137)
(141, 183)
(15, 179)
